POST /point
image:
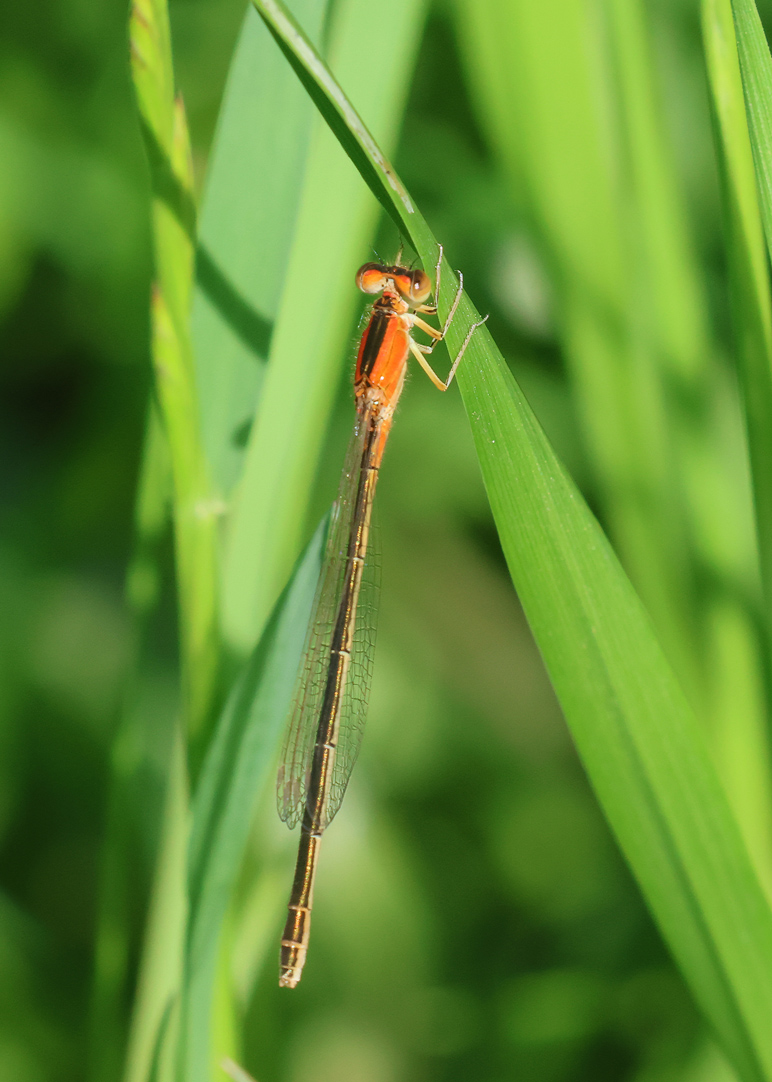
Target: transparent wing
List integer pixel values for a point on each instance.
(298, 748)
(356, 693)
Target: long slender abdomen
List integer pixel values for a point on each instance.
(294, 943)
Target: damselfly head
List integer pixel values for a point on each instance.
(413, 286)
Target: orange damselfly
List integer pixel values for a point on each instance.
(333, 684)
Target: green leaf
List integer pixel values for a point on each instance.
(120, 870)
(237, 767)
(151, 1050)
(253, 186)
(310, 341)
(638, 739)
(336, 109)
(749, 284)
(749, 205)
(346, 123)
(663, 427)
(756, 68)
(195, 514)
(585, 155)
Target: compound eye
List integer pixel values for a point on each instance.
(403, 283)
(420, 287)
(371, 278)
(413, 286)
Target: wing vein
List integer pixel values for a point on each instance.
(313, 673)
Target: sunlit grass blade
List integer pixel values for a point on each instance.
(238, 766)
(570, 110)
(674, 290)
(749, 283)
(756, 69)
(153, 1037)
(345, 122)
(637, 736)
(166, 139)
(662, 423)
(310, 344)
(749, 206)
(195, 520)
(245, 227)
(638, 739)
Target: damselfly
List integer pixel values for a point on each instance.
(330, 701)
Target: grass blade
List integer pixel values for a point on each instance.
(749, 206)
(639, 741)
(238, 765)
(155, 1021)
(663, 425)
(153, 1038)
(637, 737)
(246, 223)
(570, 110)
(122, 874)
(749, 284)
(166, 139)
(336, 221)
(756, 69)
(345, 123)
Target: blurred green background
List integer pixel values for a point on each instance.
(499, 933)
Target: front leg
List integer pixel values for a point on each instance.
(421, 352)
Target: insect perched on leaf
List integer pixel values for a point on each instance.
(333, 684)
